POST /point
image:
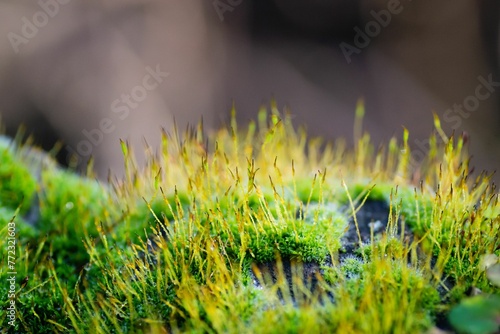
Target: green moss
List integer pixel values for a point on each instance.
(352, 267)
(144, 218)
(51, 314)
(374, 192)
(100, 259)
(370, 287)
(72, 205)
(416, 208)
(255, 201)
(299, 241)
(72, 209)
(310, 190)
(24, 232)
(309, 239)
(17, 185)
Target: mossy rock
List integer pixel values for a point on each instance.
(255, 231)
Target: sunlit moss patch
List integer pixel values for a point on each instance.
(250, 230)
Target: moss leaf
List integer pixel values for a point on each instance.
(477, 315)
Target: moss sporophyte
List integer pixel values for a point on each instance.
(255, 230)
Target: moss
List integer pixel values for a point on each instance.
(51, 315)
(144, 218)
(17, 185)
(379, 289)
(310, 239)
(310, 190)
(352, 267)
(364, 251)
(24, 232)
(71, 204)
(72, 209)
(374, 192)
(100, 259)
(416, 208)
(300, 241)
(305, 240)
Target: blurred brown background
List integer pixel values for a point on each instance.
(92, 72)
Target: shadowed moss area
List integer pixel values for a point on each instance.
(250, 230)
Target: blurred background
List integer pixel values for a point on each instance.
(91, 72)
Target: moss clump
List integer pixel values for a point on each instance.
(17, 185)
(25, 231)
(139, 221)
(71, 204)
(365, 190)
(72, 209)
(310, 190)
(254, 231)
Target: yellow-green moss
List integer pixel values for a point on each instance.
(183, 244)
